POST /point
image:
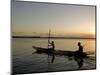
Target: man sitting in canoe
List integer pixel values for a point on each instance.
(79, 55)
(52, 46)
(51, 50)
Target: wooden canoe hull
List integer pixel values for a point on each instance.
(56, 52)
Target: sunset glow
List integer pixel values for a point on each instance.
(37, 19)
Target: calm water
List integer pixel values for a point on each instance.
(25, 62)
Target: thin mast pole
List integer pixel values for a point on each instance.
(49, 38)
(48, 44)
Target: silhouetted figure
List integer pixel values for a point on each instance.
(51, 51)
(79, 55)
(80, 47)
(52, 45)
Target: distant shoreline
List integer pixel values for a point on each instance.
(52, 37)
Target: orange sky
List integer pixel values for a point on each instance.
(31, 18)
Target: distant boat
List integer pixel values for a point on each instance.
(58, 52)
(68, 53)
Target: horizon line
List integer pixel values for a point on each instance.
(70, 37)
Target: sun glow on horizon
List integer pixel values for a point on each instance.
(37, 19)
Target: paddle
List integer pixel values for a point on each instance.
(48, 42)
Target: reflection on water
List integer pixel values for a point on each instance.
(25, 62)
